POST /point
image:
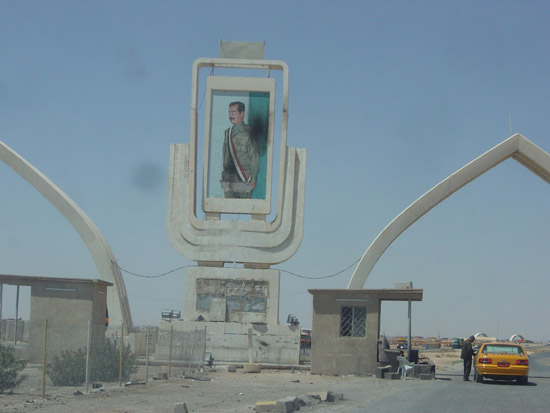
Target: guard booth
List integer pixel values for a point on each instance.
(74, 308)
(346, 325)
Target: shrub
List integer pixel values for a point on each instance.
(70, 368)
(10, 368)
(105, 363)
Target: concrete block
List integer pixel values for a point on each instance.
(232, 368)
(307, 399)
(286, 405)
(296, 403)
(392, 376)
(426, 376)
(323, 395)
(252, 368)
(381, 371)
(335, 396)
(268, 406)
(180, 408)
(423, 369)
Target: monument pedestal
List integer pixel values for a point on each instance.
(241, 295)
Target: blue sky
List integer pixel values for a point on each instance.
(388, 98)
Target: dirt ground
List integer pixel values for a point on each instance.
(216, 391)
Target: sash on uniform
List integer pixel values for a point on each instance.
(236, 161)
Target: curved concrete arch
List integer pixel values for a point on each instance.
(516, 147)
(517, 337)
(477, 335)
(104, 259)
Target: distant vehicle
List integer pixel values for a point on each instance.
(501, 361)
(305, 338)
(457, 342)
(402, 344)
(169, 315)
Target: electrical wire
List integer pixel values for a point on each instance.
(153, 276)
(321, 278)
(285, 271)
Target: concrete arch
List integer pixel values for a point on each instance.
(517, 337)
(477, 335)
(516, 147)
(104, 259)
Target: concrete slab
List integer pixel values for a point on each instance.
(266, 406)
(252, 368)
(180, 408)
(286, 405)
(218, 308)
(392, 376)
(381, 371)
(307, 399)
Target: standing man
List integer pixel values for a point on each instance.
(466, 355)
(240, 156)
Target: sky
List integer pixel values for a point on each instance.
(387, 97)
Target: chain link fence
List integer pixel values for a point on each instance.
(84, 355)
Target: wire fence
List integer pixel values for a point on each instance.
(85, 355)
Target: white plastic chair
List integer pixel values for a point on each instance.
(404, 367)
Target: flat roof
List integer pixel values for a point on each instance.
(29, 280)
(387, 294)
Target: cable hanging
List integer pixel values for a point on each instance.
(285, 271)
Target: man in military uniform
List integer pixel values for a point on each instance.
(240, 156)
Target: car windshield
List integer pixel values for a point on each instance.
(492, 348)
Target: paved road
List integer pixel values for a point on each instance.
(448, 393)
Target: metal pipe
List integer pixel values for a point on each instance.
(1, 295)
(409, 342)
(16, 316)
(120, 356)
(44, 358)
(147, 356)
(170, 353)
(88, 355)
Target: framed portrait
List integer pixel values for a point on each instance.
(238, 145)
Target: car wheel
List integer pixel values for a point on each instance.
(523, 380)
(478, 378)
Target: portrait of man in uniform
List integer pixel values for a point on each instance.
(240, 156)
(238, 145)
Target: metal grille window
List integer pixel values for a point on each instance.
(353, 321)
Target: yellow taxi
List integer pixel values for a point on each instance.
(501, 361)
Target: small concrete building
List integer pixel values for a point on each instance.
(346, 327)
(68, 304)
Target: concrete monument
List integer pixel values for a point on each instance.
(238, 151)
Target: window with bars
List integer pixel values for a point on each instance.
(353, 321)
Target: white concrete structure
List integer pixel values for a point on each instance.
(104, 259)
(227, 302)
(516, 147)
(517, 337)
(213, 240)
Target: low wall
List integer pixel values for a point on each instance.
(228, 342)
